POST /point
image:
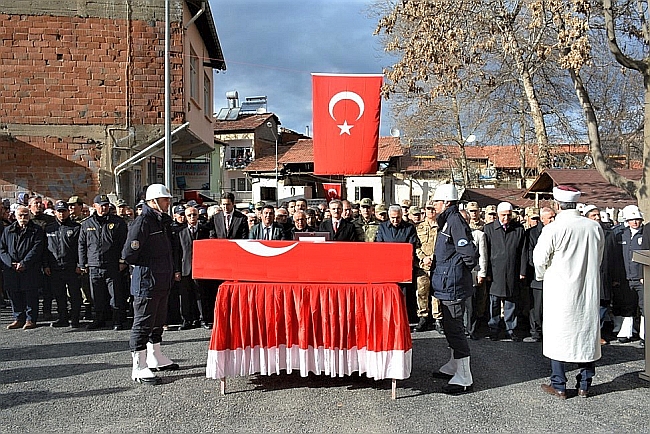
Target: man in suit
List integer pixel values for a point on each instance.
(338, 228)
(267, 229)
(230, 223)
(192, 298)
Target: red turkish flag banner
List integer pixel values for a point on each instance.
(346, 111)
(332, 191)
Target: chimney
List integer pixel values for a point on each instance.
(307, 131)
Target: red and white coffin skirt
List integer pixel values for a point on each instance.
(331, 329)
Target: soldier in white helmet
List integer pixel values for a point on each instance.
(149, 248)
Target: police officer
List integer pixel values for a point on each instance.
(451, 280)
(101, 240)
(61, 264)
(149, 249)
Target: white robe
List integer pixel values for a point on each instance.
(567, 258)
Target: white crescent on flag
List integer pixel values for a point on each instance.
(346, 95)
(259, 249)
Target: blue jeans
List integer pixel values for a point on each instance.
(583, 379)
(509, 315)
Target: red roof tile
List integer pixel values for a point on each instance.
(243, 123)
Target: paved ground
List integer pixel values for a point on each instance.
(78, 381)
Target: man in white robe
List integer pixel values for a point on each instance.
(567, 258)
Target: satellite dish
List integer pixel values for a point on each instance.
(395, 132)
(588, 160)
(471, 138)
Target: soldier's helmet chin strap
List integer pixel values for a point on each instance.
(155, 201)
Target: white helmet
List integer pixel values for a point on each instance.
(446, 192)
(155, 191)
(631, 212)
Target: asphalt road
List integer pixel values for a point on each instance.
(78, 381)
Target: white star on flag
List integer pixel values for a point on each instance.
(345, 128)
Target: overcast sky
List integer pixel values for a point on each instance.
(272, 46)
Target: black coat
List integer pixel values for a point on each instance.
(149, 248)
(257, 232)
(507, 257)
(62, 250)
(101, 240)
(184, 248)
(24, 246)
(532, 235)
(238, 229)
(345, 232)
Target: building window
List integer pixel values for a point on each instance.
(233, 184)
(194, 75)
(415, 200)
(267, 193)
(243, 184)
(207, 101)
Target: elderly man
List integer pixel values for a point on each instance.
(451, 280)
(299, 225)
(338, 228)
(547, 215)
(567, 258)
(21, 252)
(507, 260)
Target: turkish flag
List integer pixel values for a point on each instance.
(332, 191)
(346, 123)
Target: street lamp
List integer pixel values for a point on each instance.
(275, 135)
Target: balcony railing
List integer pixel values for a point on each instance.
(237, 163)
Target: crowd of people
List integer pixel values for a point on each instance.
(75, 254)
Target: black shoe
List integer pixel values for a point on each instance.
(422, 325)
(95, 325)
(47, 316)
(74, 324)
(439, 327)
(494, 336)
(473, 336)
(455, 389)
(187, 325)
(206, 325)
(441, 375)
(513, 337)
(196, 324)
(172, 367)
(624, 340)
(118, 327)
(60, 323)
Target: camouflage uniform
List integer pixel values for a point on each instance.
(366, 229)
(427, 235)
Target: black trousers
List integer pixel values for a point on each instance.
(535, 314)
(149, 316)
(191, 294)
(452, 320)
(106, 286)
(66, 282)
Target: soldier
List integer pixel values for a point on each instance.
(405, 204)
(381, 213)
(366, 224)
(122, 210)
(490, 213)
(75, 204)
(101, 240)
(61, 265)
(149, 249)
(475, 220)
(415, 215)
(427, 231)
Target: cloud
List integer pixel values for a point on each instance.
(272, 47)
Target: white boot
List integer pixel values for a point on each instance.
(627, 328)
(141, 373)
(157, 361)
(450, 367)
(462, 381)
(642, 327)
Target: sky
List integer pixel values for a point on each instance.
(271, 47)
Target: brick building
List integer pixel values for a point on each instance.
(82, 92)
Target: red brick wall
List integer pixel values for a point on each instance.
(81, 72)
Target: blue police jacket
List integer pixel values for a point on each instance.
(455, 256)
(149, 248)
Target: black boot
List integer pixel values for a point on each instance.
(423, 325)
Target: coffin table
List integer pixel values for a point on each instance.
(325, 328)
